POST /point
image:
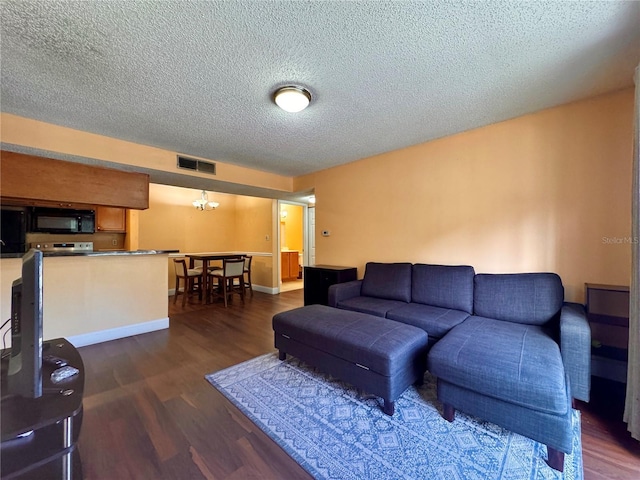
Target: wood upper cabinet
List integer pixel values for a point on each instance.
(47, 182)
(111, 219)
(289, 265)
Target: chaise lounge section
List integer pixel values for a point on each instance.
(502, 364)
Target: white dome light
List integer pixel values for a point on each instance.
(292, 99)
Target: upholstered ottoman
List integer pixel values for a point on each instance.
(380, 356)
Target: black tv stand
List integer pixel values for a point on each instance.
(54, 421)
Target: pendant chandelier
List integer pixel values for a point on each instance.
(203, 202)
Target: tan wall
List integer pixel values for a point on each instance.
(45, 136)
(544, 192)
(293, 228)
(549, 191)
(172, 222)
(238, 224)
(252, 227)
(84, 295)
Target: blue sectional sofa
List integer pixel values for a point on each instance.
(504, 347)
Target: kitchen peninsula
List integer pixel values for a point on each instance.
(89, 296)
(94, 297)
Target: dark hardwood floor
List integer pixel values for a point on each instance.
(150, 414)
(608, 450)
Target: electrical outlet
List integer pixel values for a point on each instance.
(267, 237)
(114, 243)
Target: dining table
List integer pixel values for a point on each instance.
(205, 258)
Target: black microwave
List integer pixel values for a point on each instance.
(58, 220)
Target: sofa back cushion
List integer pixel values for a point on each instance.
(445, 286)
(387, 280)
(529, 298)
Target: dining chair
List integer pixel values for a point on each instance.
(191, 277)
(247, 273)
(232, 269)
(198, 265)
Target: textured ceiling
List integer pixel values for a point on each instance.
(198, 77)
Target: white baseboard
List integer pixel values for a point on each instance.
(269, 290)
(92, 338)
(257, 288)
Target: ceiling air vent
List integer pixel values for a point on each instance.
(197, 165)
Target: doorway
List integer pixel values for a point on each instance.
(292, 244)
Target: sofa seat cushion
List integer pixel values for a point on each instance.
(382, 346)
(513, 362)
(435, 321)
(371, 305)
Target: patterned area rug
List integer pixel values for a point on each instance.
(335, 432)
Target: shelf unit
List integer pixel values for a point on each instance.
(608, 314)
(40, 435)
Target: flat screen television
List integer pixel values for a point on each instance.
(24, 376)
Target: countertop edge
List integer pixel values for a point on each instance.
(108, 253)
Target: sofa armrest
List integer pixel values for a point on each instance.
(341, 291)
(575, 346)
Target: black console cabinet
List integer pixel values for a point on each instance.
(39, 435)
(318, 279)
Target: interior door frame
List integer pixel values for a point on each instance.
(305, 236)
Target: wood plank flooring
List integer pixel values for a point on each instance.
(150, 414)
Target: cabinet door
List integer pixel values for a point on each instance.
(284, 265)
(316, 285)
(111, 219)
(293, 265)
(289, 265)
(29, 177)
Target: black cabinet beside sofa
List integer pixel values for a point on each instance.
(608, 315)
(318, 279)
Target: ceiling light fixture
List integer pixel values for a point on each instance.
(203, 202)
(292, 98)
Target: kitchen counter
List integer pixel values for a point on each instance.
(104, 253)
(93, 297)
(98, 253)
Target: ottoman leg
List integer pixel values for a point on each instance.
(282, 355)
(389, 407)
(555, 459)
(449, 413)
